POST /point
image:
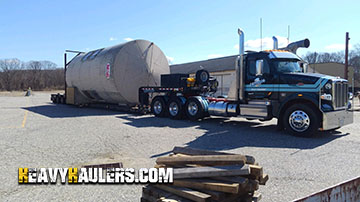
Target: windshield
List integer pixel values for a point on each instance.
(287, 66)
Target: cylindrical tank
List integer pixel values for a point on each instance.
(114, 74)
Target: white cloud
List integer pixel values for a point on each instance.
(170, 59)
(215, 56)
(267, 43)
(336, 47)
(128, 39)
(112, 39)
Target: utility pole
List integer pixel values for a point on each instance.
(346, 55)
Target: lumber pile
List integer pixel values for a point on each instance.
(207, 176)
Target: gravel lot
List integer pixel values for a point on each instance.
(36, 133)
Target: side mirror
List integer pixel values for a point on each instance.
(259, 67)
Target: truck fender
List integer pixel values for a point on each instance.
(295, 98)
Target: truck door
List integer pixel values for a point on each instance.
(259, 83)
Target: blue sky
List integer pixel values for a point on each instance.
(185, 30)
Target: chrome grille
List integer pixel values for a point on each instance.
(340, 94)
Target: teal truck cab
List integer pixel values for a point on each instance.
(267, 84)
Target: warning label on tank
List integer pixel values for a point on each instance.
(107, 71)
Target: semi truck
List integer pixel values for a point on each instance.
(267, 84)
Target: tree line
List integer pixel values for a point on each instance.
(37, 75)
(338, 57)
(45, 75)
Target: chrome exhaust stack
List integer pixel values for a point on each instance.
(292, 47)
(276, 44)
(239, 68)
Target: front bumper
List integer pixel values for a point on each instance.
(337, 119)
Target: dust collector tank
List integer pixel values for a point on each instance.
(114, 74)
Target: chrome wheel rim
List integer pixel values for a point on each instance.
(299, 121)
(193, 108)
(157, 107)
(173, 109)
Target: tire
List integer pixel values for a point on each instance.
(301, 120)
(202, 77)
(175, 108)
(194, 109)
(57, 99)
(62, 100)
(158, 106)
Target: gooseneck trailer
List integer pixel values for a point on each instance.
(267, 84)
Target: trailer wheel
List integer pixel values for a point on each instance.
(62, 100)
(301, 120)
(176, 108)
(158, 106)
(57, 99)
(194, 109)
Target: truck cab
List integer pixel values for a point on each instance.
(277, 80)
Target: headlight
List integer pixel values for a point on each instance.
(326, 97)
(328, 86)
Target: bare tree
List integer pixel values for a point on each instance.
(8, 68)
(48, 65)
(314, 57)
(311, 57)
(34, 68)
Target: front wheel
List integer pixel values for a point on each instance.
(301, 120)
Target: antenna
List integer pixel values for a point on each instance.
(260, 34)
(288, 38)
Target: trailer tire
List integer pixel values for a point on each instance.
(158, 106)
(62, 100)
(194, 109)
(301, 120)
(57, 99)
(175, 108)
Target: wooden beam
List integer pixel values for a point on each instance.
(192, 151)
(263, 179)
(198, 172)
(161, 195)
(256, 170)
(215, 195)
(186, 193)
(252, 186)
(208, 184)
(242, 181)
(211, 160)
(256, 197)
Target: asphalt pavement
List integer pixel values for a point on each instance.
(36, 133)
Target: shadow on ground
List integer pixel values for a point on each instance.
(220, 133)
(67, 111)
(226, 134)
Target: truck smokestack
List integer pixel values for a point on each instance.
(297, 44)
(275, 43)
(241, 42)
(240, 68)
